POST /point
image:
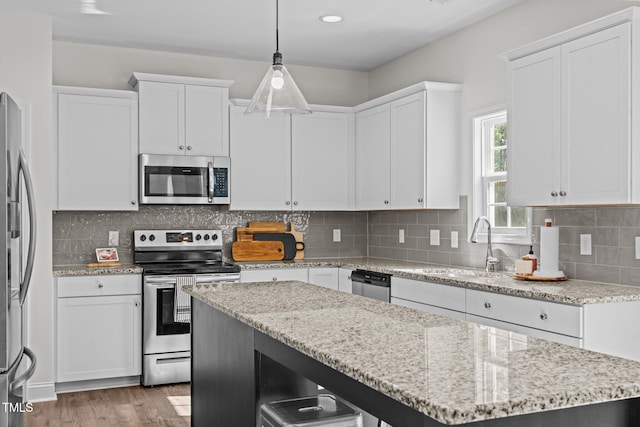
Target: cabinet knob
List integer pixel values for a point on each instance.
(420, 200)
(100, 285)
(563, 193)
(295, 203)
(189, 147)
(554, 194)
(487, 304)
(287, 203)
(181, 147)
(274, 278)
(386, 202)
(137, 304)
(544, 316)
(133, 202)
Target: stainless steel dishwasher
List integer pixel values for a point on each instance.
(371, 284)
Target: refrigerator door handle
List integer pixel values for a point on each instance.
(22, 379)
(24, 286)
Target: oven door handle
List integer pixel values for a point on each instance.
(164, 280)
(217, 278)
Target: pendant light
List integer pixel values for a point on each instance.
(277, 93)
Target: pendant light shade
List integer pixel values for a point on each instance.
(277, 93)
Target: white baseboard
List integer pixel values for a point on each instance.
(74, 386)
(41, 392)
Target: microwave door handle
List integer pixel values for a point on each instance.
(211, 183)
(24, 286)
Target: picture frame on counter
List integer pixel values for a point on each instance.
(107, 254)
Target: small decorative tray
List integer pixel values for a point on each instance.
(539, 278)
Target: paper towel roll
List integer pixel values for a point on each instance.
(549, 253)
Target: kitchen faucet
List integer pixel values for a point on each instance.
(490, 261)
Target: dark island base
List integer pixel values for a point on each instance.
(234, 369)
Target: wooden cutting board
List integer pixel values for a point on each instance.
(299, 238)
(257, 251)
(246, 233)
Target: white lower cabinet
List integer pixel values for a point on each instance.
(324, 276)
(99, 327)
(431, 297)
(274, 275)
(344, 280)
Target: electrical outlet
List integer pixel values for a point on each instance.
(114, 238)
(585, 244)
(454, 239)
(401, 236)
(434, 239)
(337, 235)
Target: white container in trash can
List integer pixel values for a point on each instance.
(322, 410)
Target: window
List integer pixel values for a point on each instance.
(510, 224)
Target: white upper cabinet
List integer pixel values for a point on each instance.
(291, 163)
(96, 143)
(570, 128)
(260, 161)
(407, 146)
(321, 155)
(182, 115)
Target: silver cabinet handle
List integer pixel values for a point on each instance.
(487, 305)
(133, 202)
(100, 285)
(386, 202)
(420, 200)
(274, 278)
(137, 304)
(295, 203)
(544, 316)
(181, 147)
(189, 147)
(563, 193)
(554, 194)
(287, 203)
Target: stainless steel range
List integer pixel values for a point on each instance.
(172, 259)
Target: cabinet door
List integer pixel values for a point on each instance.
(596, 133)
(161, 118)
(534, 129)
(206, 121)
(344, 280)
(327, 277)
(407, 152)
(372, 158)
(97, 153)
(321, 156)
(260, 162)
(275, 275)
(98, 337)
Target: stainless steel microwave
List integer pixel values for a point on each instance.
(184, 180)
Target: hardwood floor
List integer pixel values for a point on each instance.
(128, 406)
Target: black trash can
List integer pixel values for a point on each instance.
(322, 410)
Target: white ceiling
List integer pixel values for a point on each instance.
(372, 33)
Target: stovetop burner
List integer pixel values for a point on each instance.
(180, 252)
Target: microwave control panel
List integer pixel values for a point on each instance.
(220, 182)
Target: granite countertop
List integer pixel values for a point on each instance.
(576, 292)
(83, 270)
(452, 371)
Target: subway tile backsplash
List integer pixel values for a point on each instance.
(612, 228)
(77, 234)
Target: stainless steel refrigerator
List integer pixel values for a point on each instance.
(17, 362)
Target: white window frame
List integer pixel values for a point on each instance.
(481, 180)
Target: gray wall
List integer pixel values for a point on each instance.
(77, 234)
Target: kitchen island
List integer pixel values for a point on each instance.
(257, 342)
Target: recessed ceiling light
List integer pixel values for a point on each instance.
(331, 19)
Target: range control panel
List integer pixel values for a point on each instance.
(177, 239)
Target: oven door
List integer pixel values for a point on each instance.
(161, 334)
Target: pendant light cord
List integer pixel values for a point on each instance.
(277, 29)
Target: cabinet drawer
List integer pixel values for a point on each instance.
(275, 275)
(327, 277)
(428, 308)
(547, 316)
(87, 286)
(449, 297)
